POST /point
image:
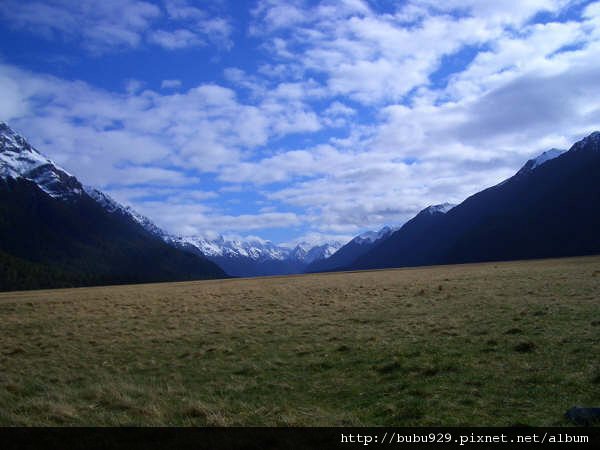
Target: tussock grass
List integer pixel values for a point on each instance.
(483, 344)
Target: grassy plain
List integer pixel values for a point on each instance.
(485, 344)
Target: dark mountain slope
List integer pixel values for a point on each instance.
(551, 210)
(54, 234)
(348, 253)
(413, 236)
(86, 244)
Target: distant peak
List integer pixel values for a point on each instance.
(546, 156)
(13, 142)
(439, 209)
(594, 135)
(18, 159)
(591, 139)
(256, 248)
(7, 131)
(542, 158)
(373, 236)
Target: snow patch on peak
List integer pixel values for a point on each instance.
(103, 199)
(593, 136)
(307, 253)
(369, 237)
(18, 159)
(545, 157)
(112, 206)
(591, 139)
(439, 209)
(539, 160)
(255, 248)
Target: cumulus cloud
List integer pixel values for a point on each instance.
(191, 130)
(145, 140)
(430, 144)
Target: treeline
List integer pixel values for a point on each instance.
(18, 274)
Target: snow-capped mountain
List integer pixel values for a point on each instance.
(255, 257)
(73, 235)
(439, 209)
(56, 233)
(349, 252)
(367, 241)
(539, 160)
(307, 253)
(255, 249)
(590, 141)
(18, 159)
(547, 209)
(241, 257)
(369, 237)
(322, 251)
(111, 206)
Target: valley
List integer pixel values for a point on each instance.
(476, 344)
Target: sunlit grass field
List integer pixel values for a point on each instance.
(484, 344)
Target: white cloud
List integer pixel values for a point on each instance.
(506, 12)
(315, 238)
(180, 9)
(371, 57)
(199, 129)
(197, 219)
(133, 86)
(111, 25)
(100, 25)
(203, 25)
(175, 39)
(145, 140)
(277, 14)
(524, 93)
(14, 102)
(339, 109)
(170, 84)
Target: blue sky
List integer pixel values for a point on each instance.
(297, 120)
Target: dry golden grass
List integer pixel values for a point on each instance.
(485, 344)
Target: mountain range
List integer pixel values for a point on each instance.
(97, 225)
(348, 253)
(239, 258)
(255, 257)
(549, 208)
(56, 232)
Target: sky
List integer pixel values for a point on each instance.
(297, 120)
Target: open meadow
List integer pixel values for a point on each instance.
(482, 344)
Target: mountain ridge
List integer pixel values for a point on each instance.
(20, 160)
(256, 257)
(439, 234)
(51, 227)
(547, 211)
